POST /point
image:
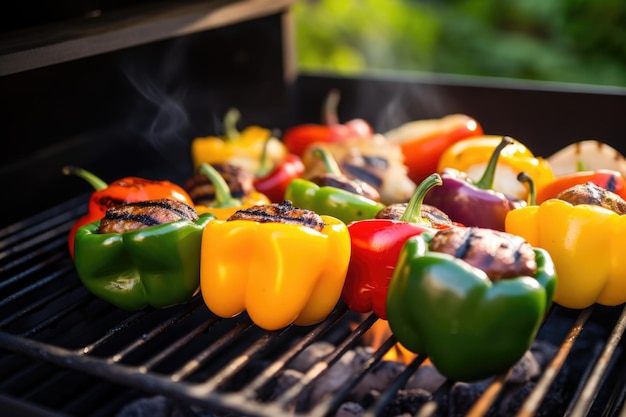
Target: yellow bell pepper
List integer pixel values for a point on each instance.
(243, 149)
(279, 273)
(472, 156)
(586, 243)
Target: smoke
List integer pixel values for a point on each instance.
(159, 116)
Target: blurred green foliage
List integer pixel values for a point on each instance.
(555, 40)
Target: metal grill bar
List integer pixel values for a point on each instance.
(322, 366)
(176, 346)
(251, 390)
(599, 371)
(333, 403)
(481, 407)
(213, 349)
(531, 406)
(398, 383)
(156, 330)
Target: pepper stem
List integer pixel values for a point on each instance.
(523, 177)
(230, 124)
(95, 182)
(329, 162)
(329, 110)
(265, 167)
(413, 212)
(223, 196)
(486, 181)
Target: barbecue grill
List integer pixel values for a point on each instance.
(122, 91)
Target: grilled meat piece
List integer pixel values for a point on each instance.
(590, 193)
(283, 212)
(201, 190)
(431, 213)
(355, 185)
(499, 254)
(135, 216)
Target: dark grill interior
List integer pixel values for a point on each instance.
(65, 352)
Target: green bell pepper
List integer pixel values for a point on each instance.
(157, 266)
(331, 201)
(470, 328)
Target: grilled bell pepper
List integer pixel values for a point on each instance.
(243, 148)
(608, 179)
(473, 154)
(279, 273)
(586, 243)
(331, 201)
(298, 138)
(158, 266)
(376, 245)
(470, 328)
(225, 204)
(123, 191)
(474, 203)
(423, 142)
(272, 180)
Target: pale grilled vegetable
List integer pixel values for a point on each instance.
(587, 155)
(374, 160)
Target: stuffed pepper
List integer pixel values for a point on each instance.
(471, 299)
(241, 148)
(142, 254)
(376, 245)
(281, 264)
(123, 191)
(583, 229)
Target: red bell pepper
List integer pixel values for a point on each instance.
(608, 179)
(424, 141)
(376, 245)
(272, 181)
(298, 138)
(123, 191)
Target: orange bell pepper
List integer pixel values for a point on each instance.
(424, 141)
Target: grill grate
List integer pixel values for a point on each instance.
(55, 335)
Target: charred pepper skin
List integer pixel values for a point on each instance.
(157, 266)
(469, 327)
